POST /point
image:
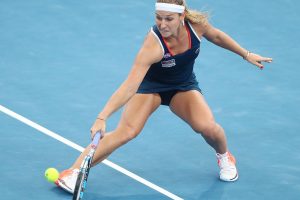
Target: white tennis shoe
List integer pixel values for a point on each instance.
(228, 171)
(67, 180)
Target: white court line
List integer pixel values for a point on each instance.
(79, 148)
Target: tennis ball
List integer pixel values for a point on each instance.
(51, 174)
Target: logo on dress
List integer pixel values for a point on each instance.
(167, 55)
(168, 63)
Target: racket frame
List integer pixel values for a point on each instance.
(85, 169)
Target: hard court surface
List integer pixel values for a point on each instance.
(61, 60)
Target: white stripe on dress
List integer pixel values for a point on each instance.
(194, 31)
(162, 47)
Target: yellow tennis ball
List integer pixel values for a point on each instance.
(51, 174)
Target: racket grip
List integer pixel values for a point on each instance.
(96, 140)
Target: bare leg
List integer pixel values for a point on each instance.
(133, 119)
(192, 108)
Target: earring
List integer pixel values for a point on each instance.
(183, 22)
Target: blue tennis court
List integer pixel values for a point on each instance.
(61, 60)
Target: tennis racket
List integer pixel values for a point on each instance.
(85, 169)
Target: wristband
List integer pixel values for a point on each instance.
(101, 119)
(247, 55)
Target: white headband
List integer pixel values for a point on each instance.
(169, 7)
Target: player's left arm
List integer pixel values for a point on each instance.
(221, 39)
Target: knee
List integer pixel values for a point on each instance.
(208, 129)
(128, 133)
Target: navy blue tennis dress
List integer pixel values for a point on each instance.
(172, 73)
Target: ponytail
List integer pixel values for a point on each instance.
(196, 17)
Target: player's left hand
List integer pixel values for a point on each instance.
(257, 60)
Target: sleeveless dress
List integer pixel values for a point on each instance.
(174, 72)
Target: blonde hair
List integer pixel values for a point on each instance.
(192, 16)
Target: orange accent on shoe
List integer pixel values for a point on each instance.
(63, 174)
(231, 158)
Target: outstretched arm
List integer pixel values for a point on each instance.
(221, 39)
(149, 53)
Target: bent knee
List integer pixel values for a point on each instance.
(207, 129)
(128, 133)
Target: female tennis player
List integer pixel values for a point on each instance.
(162, 74)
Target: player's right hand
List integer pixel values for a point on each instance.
(98, 126)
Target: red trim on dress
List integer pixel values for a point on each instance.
(190, 40)
(167, 46)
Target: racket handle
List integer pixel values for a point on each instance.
(96, 140)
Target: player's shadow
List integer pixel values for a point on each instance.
(96, 196)
(59, 192)
(215, 191)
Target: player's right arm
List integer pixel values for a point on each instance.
(150, 52)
